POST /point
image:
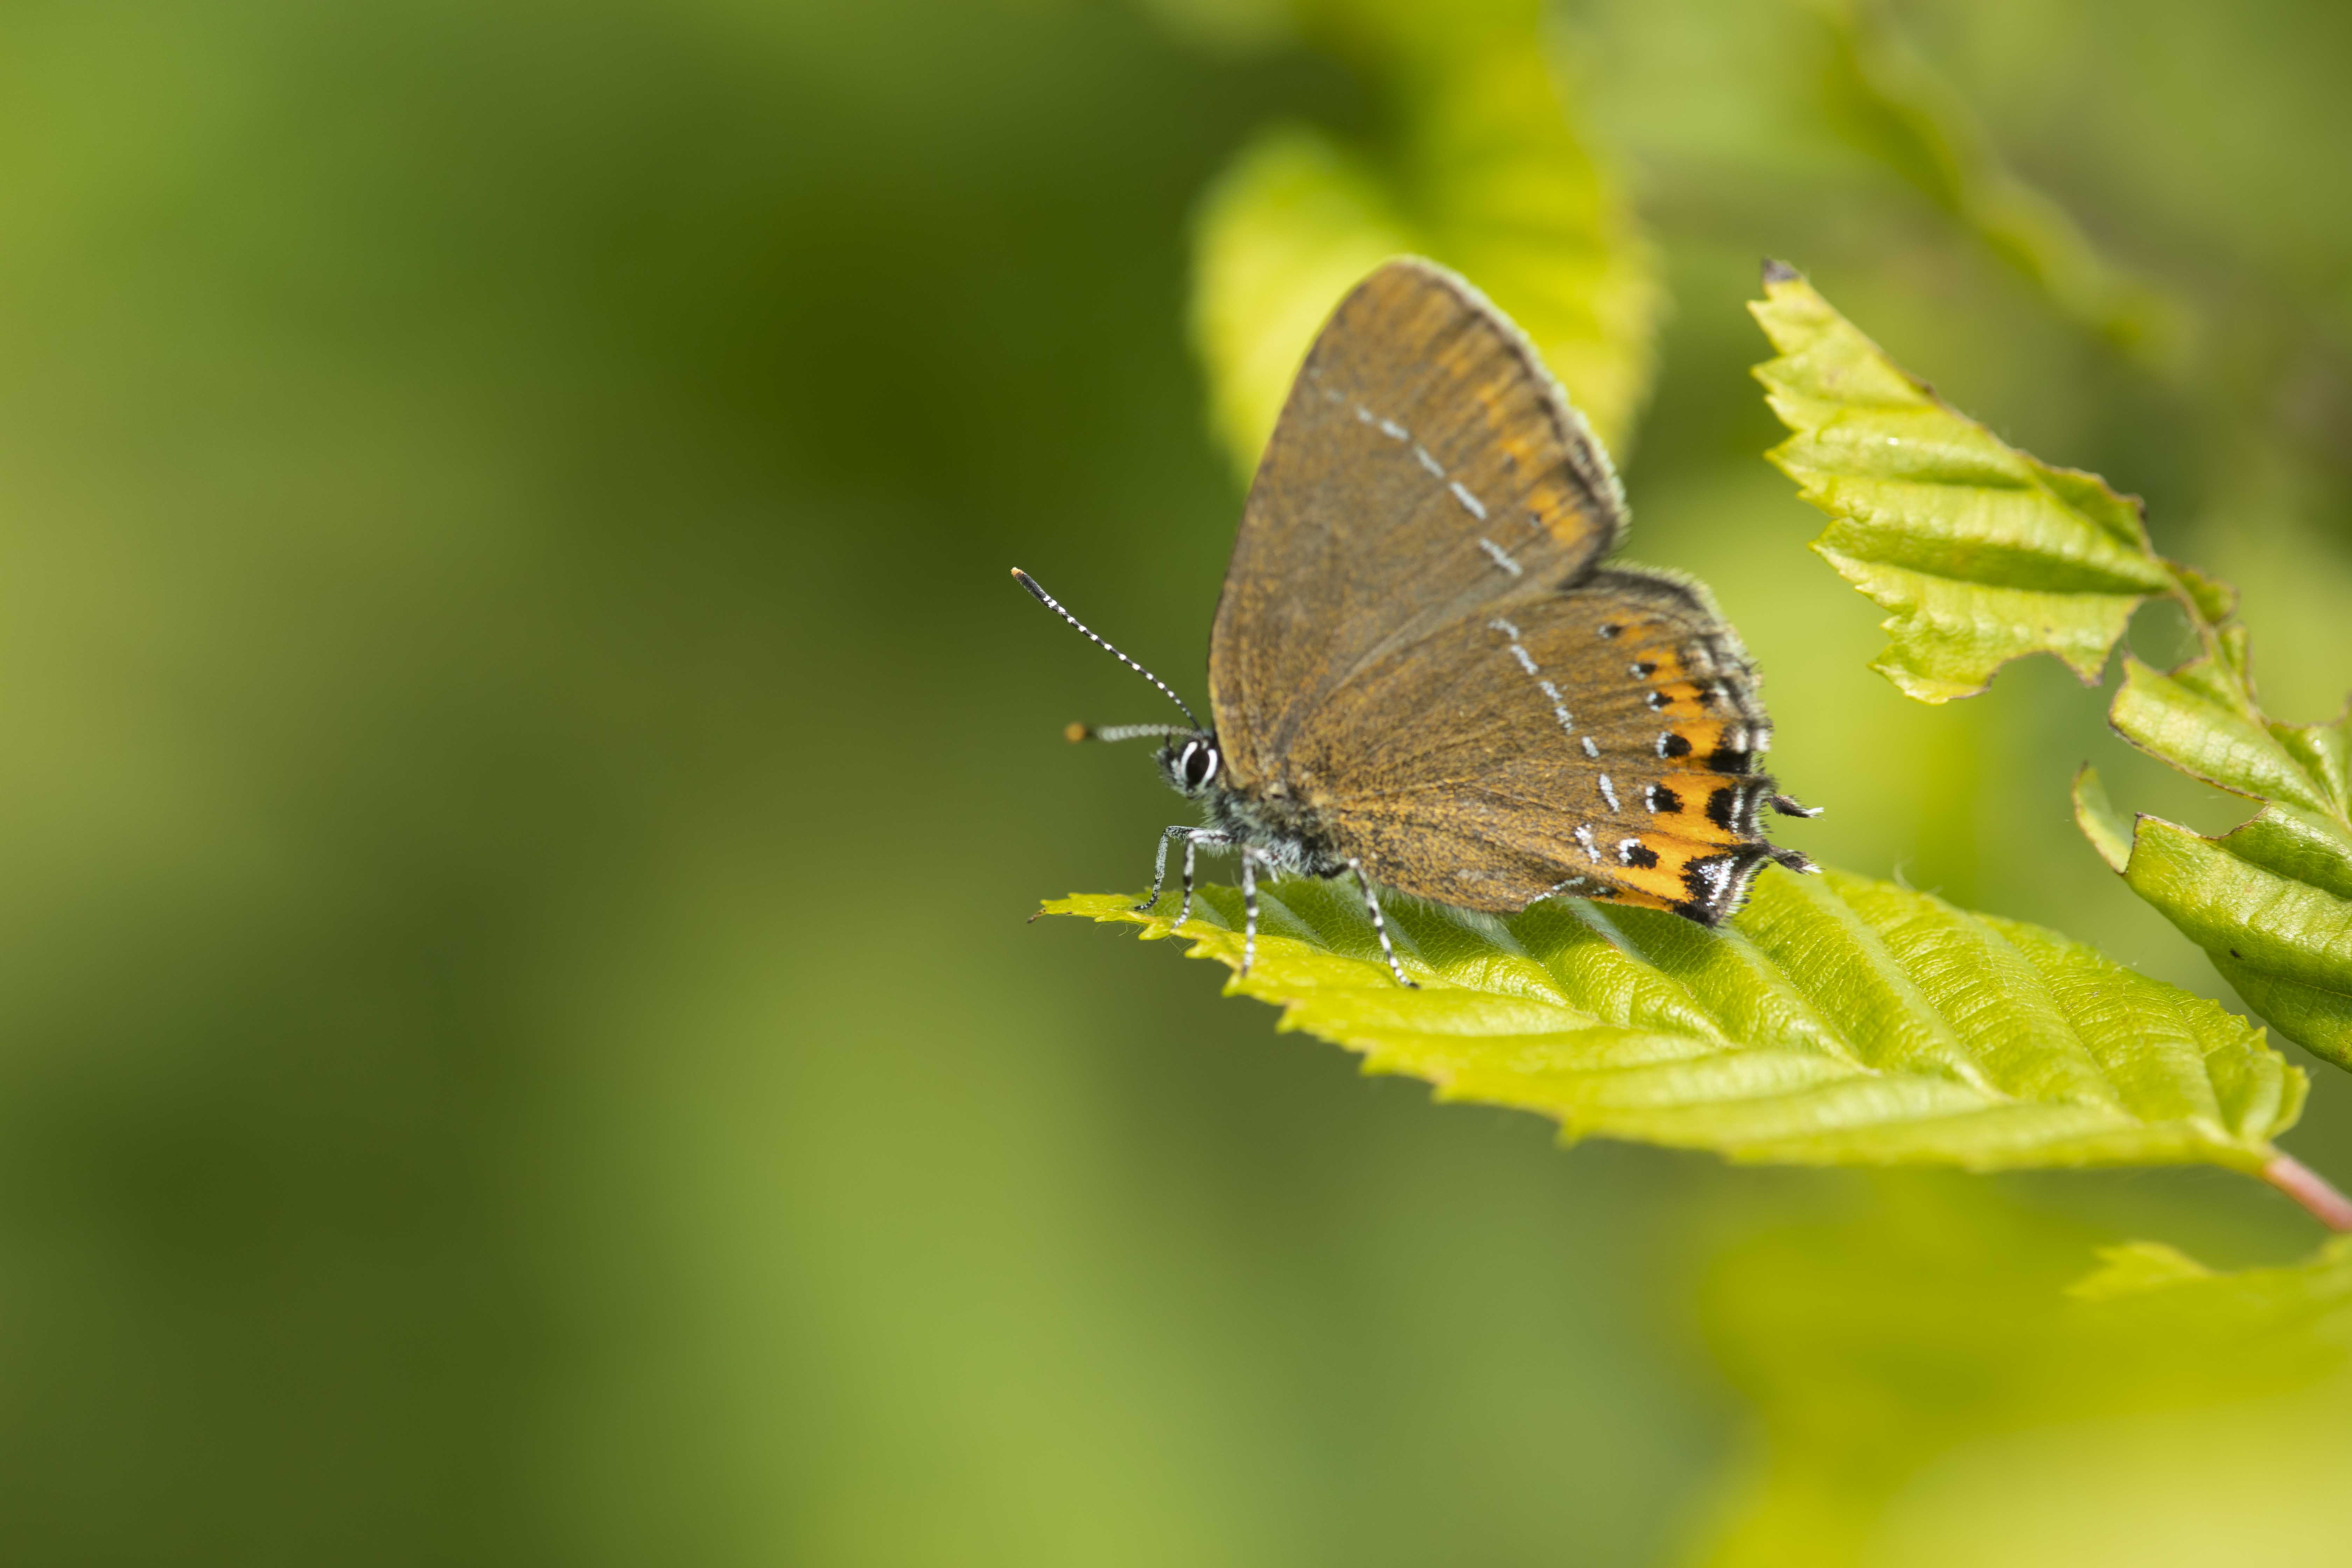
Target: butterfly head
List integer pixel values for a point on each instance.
(1190, 763)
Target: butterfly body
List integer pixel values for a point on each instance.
(1423, 674)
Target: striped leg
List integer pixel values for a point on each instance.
(1249, 909)
(1379, 926)
(1160, 868)
(1200, 836)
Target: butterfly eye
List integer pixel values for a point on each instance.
(1198, 763)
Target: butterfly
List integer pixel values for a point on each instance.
(1425, 673)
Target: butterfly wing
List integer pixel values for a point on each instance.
(1425, 464)
(1598, 741)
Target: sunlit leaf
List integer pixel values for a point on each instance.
(2142, 1288)
(2271, 900)
(2095, 815)
(1870, 1348)
(2132, 1266)
(1838, 1020)
(2197, 719)
(2271, 903)
(1484, 172)
(1986, 554)
(1983, 553)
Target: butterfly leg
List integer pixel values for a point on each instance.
(1193, 842)
(1379, 926)
(1159, 870)
(1249, 908)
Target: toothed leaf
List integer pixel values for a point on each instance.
(2098, 817)
(2271, 900)
(2271, 903)
(1983, 553)
(2195, 719)
(1836, 1021)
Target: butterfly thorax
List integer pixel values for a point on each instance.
(1272, 817)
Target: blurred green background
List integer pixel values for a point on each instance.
(526, 776)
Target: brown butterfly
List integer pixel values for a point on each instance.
(1420, 672)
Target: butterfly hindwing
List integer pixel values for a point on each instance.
(1600, 742)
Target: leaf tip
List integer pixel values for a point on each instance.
(1778, 271)
(2135, 1267)
(2215, 599)
(1919, 685)
(2097, 816)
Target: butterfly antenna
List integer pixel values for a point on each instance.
(1048, 600)
(1124, 731)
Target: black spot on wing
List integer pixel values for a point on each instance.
(1717, 884)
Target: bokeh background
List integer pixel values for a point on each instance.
(525, 774)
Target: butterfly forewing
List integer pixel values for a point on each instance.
(1423, 465)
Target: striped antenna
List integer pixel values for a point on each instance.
(1125, 731)
(1048, 600)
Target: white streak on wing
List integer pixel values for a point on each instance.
(1526, 662)
(1394, 431)
(1496, 553)
(1470, 504)
(1625, 847)
(1436, 469)
(1590, 749)
(1609, 792)
(1584, 838)
(1363, 414)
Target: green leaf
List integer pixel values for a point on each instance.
(2324, 753)
(2098, 817)
(2196, 719)
(1485, 173)
(1946, 1319)
(2271, 903)
(1837, 1021)
(1983, 553)
(2153, 1286)
(2215, 600)
(2136, 1266)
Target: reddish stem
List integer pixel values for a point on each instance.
(2312, 1190)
